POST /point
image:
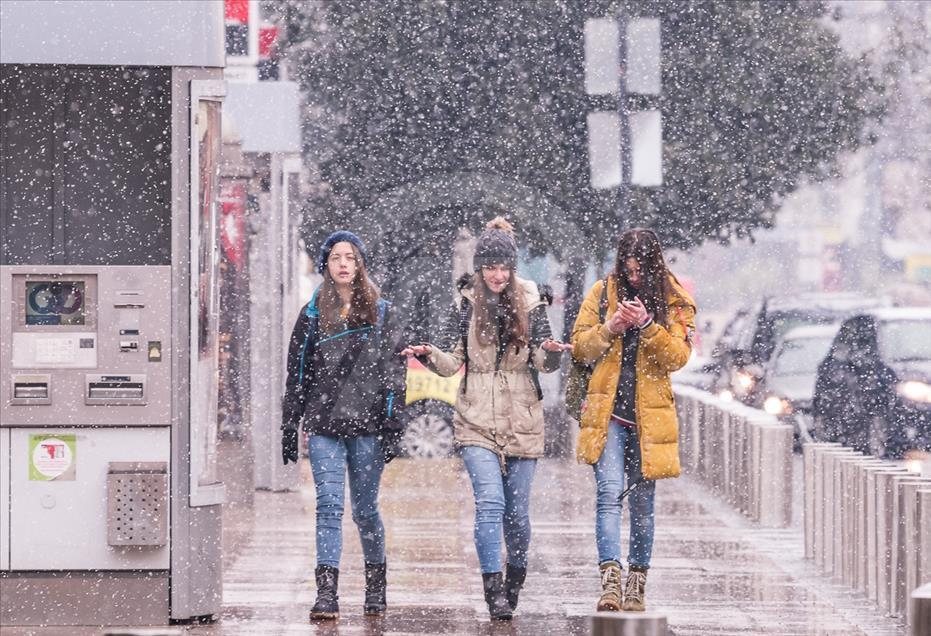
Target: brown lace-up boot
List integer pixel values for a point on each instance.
(611, 598)
(635, 590)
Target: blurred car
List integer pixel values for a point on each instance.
(697, 372)
(787, 385)
(749, 339)
(431, 401)
(873, 390)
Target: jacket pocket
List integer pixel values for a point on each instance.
(527, 417)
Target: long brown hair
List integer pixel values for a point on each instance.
(363, 305)
(515, 321)
(643, 246)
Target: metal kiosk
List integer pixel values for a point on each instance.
(109, 496)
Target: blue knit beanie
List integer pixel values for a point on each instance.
(334, 238)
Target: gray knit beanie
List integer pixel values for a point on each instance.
(496, 245)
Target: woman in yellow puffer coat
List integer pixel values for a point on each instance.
(628, 425)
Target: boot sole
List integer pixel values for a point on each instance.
(608, 606)
(324, 616)
(374, 611)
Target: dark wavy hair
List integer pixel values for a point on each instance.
(643, 246)
(363, 307)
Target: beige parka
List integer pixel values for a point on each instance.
(500, 409)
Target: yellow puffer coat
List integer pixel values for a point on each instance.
(662, 350)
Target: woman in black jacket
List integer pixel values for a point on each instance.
(345, 385)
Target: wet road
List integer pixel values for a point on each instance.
(713, 572)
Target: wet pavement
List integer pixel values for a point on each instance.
(713, 572)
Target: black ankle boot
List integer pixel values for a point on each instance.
(513, 582)
(375, 584)
(497, 601)
(327, 605)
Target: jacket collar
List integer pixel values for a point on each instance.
(528, 289)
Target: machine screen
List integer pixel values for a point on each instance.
(58, 302)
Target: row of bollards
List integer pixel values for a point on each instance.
(867, 525)
(742, 454)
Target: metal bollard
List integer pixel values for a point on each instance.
(833, 490)
(684, 413)
(843, 519)
(904, 489)
(629, 624)
(709, 423)
(913, 542)
(919, 609)
(852, 513)
(874, 529)
(823, 514)
(742, 468)
(885, 524)
(832, 508)
(729, 456)
(697, 423)
(808, 501)
(924, 535)
(776, 475)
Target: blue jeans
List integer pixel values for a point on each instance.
(329, 458)
(620, 458)
(502, 502)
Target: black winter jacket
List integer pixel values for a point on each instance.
(346, 384)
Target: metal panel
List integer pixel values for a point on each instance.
(137, 32)
(62, 524)
(196, 582)
(137, 504)
(86, 171)
(76, 598)
(27, 163)
(4, 499)
(128, 299)
(266, 115)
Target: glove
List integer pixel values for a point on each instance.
(289, 445)
(390, 441)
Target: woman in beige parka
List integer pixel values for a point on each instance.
(504, 341)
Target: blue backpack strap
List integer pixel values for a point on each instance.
(382, 307)
(313, 322)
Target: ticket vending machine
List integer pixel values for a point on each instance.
(109, 495)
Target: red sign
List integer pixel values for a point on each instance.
(237, 11)
(268, 40)
(233, 222)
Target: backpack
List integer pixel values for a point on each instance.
(580, 373)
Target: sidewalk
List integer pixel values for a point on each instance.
(713, 573)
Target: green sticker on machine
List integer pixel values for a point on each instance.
(52, 457)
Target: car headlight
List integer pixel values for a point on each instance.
(741, 383)
(777, 406)
(726, 395)
(914, 391)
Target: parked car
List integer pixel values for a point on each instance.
(431, 401)
(748, 341)
(873, 390)
(787, 385)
